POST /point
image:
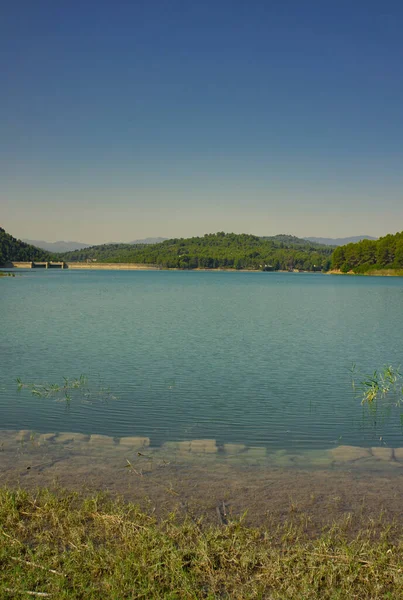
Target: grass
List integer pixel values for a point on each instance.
(65, 545)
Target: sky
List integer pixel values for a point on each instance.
(133, 118)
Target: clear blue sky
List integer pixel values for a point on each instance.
(128, 119)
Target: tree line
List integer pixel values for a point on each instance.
(13, 249)
(367, 255)
(216, 250)
(228, 250)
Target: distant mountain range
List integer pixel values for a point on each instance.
(13, 249)
(150, 240)
(57, 246)
(62, 246)
(340, 241)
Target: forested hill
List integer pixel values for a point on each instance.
(218, 250)
(228, 250)
(370, 255)
(13, 249)
(291, 241)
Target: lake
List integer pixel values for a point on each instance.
(249, 366)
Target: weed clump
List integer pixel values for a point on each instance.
(76, 388)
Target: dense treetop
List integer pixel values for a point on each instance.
(367, 255)
(216, 250)
(13, 249)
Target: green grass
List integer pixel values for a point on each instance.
(64, 545)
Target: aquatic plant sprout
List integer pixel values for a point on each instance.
(67, 391)
(386, 383)
(47, 389)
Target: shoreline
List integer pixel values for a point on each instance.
(112, 266)
(203, 473)
(142, 267)
(374, 273)
(98, 266)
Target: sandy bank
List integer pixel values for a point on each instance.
(375, 273)
(111, 266)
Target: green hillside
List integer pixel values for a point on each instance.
(218, 250)
(13, 249)
(370, 255)
(102, 253)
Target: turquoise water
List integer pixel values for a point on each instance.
(260, 359)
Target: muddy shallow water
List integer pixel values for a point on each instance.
(217, 482)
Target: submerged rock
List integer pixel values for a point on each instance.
(189, 447)
(102, 440)
(134, 442)
(174, 447)
(349, 453)
(234, 448)
(317, 458)
(281, 458)
(70, 437)
(382, 453)
(45, 438)
(255, 454)
(203, 446)
(24, 435)
(398, 454)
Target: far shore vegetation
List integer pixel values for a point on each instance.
(13, 249)
(219, 250)
(371, 257)
(212, 251)
(66, 545)
(230, 251)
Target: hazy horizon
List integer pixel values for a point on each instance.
(185, 234)
(161, 238)
(148, 119)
